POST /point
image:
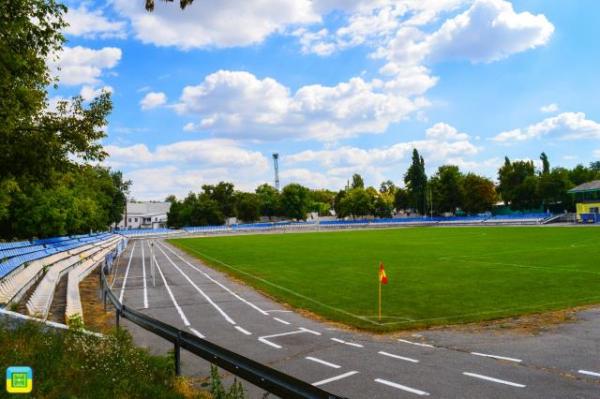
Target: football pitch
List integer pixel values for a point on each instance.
(436, 275)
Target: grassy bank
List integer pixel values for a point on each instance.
(437, 275)
(68, 364)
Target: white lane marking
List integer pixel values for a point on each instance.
(310, 331)
(247, 302)
(264, 339)
(402, 387)
(197, 332)
(278, 311)
(181, 314)
(408, 359)
(144, 274)
(416, 343)
(243, 330)
(510, 359)
(126, 274)
(492, 379)
(323, 362)
(208, 299)
(336, 378)
(589, 373)
(341, 341)
(281, 321)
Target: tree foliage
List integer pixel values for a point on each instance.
(47, 186)
(416, 183)
(295, 201)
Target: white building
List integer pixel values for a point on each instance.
(145, 215)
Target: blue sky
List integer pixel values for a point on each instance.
(336, 87)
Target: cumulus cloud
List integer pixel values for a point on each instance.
(92, 24)
(442, 144)
(89, 93)
(566, 126)
(215, 23)
(238, 104)
(184, 166)
(82, 65)
(550, 108)
(153, 100)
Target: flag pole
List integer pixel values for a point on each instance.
(379, 280)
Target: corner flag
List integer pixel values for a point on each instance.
(382, 276)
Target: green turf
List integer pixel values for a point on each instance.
(436, 275)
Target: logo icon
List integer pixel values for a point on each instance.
(19, 380)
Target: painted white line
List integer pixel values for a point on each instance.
(310, 331)
(126, 274)
(336, 378)
(264, 339)
(281, 321)
(354, 344)
(402, 387)
(197, 332)
(416, 343)
(591, 373)
(181, 314)
(247, 302)
(208, 299)
(408, 359)
(323, 362)
(144, 274)
(341, 341)
(510, 359)
(492, 379)
(243, 330)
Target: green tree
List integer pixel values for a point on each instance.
(295, 201)
(416, 183)
(224, 195)
(447, 189)
(357, 181)
(321, 201)
(518, 184)
(479, 194)
(340, 205)
(401, 199)
(269, 199)
(359, 202)
(247, 207)
(545, 163)
(552, 190)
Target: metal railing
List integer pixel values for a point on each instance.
(258, 374)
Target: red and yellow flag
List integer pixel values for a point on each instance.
(382, 276)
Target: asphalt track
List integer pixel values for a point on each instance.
(561, 363)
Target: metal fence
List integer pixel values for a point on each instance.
(262, 376)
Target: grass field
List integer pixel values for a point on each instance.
(436, 275)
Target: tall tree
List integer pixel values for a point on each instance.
(295, 201)
(269, 200)
(224, 195)
(518, 184)
(357, 181)
(479, 194)
(247, 206)
(416, 183)
(447, 189)
(401, 199)
(545, 163)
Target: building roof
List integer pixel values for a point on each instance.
(148, 208)
(586, 187)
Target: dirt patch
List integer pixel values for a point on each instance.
(94, 316)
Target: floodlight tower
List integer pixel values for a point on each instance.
(276, 165)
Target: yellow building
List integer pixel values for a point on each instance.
(587, 198)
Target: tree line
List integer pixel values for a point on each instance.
(50, 183)
(521, 187)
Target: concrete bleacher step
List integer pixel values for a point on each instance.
(13, 286)
(40, 301)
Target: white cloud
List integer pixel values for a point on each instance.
(215, 23)
(185, 166)
(153, 100)
(550, 108)
(82, 65)
(567, 126)
(442, 144)
(92, 24)
(490, 30)
(89, 93)
(597, 153)
(238, 104)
